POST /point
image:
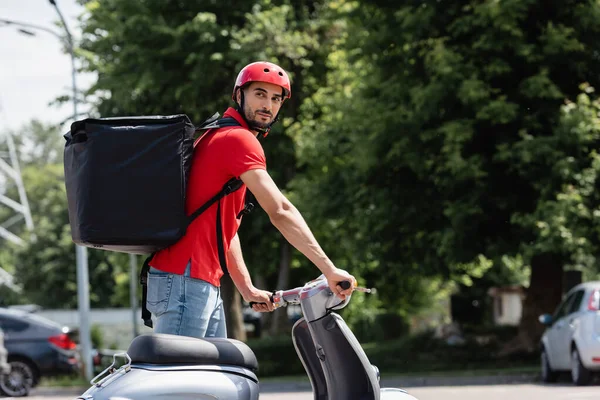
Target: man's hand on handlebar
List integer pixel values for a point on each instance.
(260, 300)
(335, 277)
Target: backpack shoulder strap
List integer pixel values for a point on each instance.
(230, 186)
(215, 122)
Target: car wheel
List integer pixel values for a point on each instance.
(580, 374)
(19, 381)
(548, 374)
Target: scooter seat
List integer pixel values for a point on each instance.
(160, 348)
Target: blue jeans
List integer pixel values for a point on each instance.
(182, 305)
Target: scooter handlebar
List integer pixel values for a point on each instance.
(270, 298)
(292, 292)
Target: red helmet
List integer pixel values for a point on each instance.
(263, 71)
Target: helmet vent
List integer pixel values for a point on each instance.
(280, 73)
(266, 69)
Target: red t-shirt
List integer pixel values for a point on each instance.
(219, 155)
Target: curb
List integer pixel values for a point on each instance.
(460, 380)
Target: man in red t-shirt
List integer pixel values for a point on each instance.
(184, 279)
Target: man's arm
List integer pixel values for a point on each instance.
(288, 220)
(241, 277)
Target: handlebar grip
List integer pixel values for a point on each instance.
(270, 298)
(345, 284)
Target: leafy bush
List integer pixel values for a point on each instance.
(379, 326)
(97, 336)
(500, 333)
(276, 356)
(417, 353)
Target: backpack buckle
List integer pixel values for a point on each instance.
(246, 210)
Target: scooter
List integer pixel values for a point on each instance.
(161, 366)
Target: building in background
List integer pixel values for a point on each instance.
(507, 302)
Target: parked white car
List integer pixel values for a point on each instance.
(571, 341)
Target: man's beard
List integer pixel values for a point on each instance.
(254, 123)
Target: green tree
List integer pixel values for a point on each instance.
(39, 144)
(565, 221)
(427, 124)
(160, 57)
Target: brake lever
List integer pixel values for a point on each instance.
(346, 285)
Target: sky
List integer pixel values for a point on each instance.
(35, 70)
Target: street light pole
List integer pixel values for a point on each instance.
(83, 292)
(133, 282)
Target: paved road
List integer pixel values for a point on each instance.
(526, 391)
(497, 392)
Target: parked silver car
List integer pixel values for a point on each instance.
(571, 341)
